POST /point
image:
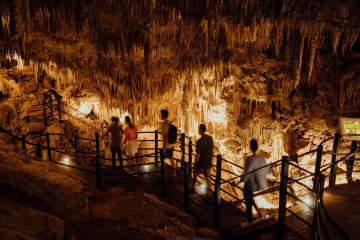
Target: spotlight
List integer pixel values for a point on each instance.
(203, 186)
(266, 216)
(308, 201)
(66, 160)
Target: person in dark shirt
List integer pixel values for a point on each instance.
(116, 131)
(203, 163)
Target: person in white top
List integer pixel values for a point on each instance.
(254, 181)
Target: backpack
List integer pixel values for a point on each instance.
(172, 134)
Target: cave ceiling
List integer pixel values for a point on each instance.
(137, 49)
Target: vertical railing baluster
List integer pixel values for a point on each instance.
(38, 150)
(136, 159)
(315, 220)
(182, 148)
(156, 147)
(336, 146)
(319, 154)
(283, 197)
(48, 146)
(217, 200)
(186, 186)
(162, 165)
(98, 167)
(59, 107)
(76, 142)
(44, 113)
(51, 106)
(350, 162)
(190, 156)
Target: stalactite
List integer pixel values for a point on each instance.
(313, 46)
(298, 70)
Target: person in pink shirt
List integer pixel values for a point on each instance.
(130, 133)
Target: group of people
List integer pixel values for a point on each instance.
(254, 180)
(116, 144)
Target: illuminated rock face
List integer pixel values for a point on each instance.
(279, 71)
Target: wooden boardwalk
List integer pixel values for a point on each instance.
(343, 205)
(231, 216)
(341, 202)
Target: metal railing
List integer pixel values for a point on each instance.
(317, 225)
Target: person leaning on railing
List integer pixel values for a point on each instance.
(254, 181)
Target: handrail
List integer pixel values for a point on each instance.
(298, 167)
(298, 182)
(239, 176)
(299, 200)
(341, 159)
(216, 179)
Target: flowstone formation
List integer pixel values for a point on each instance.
(279, 71)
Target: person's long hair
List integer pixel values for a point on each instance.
(127, 120)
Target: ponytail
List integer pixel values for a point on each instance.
(127, 120)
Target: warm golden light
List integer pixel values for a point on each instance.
(66, 159)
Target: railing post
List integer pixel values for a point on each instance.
(332, 178)
(162, 164)
(44, 113)
(98, 167)
(136, 159)
(217, 201)
(182, 148)
(283, 196)
(59, 107)
(350, 162)
(156, 147)
(51, 107)
(190, 156)
(38, 150)
(76, 140)
(319, 154)
(186, 186)
(23, 143)
(315, 221)
(48, 146)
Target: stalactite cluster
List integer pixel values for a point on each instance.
(140, 47)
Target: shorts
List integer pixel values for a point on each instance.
(205, 171)
(168, 153)
(131, 148)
